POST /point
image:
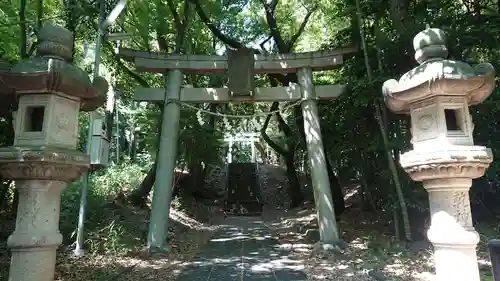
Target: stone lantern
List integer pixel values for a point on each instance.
(50, 92)
(437, 95)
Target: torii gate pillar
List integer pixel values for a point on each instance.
(169, 134)
(317, 160)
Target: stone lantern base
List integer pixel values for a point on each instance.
(447, 176)
(41, 174)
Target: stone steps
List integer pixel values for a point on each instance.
(243, 191)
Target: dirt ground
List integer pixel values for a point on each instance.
(371, 253)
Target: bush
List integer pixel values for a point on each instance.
(119, 179)
(109, 228)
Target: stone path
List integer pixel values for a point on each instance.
(244, 250)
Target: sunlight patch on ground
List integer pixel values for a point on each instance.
(367, 250)
(358, 243)
(184, 219)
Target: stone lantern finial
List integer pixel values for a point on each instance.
(55, 41)
(430, 44)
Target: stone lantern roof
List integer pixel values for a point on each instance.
(51, 73)
(438, 76)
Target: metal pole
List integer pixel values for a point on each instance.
(230, 152)
(117, 133)
(103, 24)
(79, 252)
(254, 155)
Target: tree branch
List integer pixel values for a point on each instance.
(120, 63)
(221, 36)
(161, 29)
(39, 14)
(33, 48)
(162, 42)
(273, 5)
(173, 10)
(273, 26)
(264, 42)
(281, 123)
(22, 26)
(180, 23)
(302, 27)
(266, 137)
(181, 29)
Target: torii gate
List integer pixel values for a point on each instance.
(246, 138)
(242, 65)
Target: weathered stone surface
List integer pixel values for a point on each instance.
(437, 76)
(437, 94)
(241, 72)
(18, 163)
(452, 162)
(51, 91)
(266, 63)
(36, 237)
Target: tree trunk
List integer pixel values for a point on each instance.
(197, 181)
(132, 143)
(294, 189)
(71, 19)
(383, 131)
(22, 26)
(4, 190)
(262, 152)
(139, 195)
(336, 190)
(367, 195)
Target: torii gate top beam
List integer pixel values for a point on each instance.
(212, 64)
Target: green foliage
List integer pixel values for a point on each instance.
(118, 179)
(111, 228)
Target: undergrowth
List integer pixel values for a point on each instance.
(112, 227)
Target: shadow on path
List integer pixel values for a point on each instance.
(243, 249)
